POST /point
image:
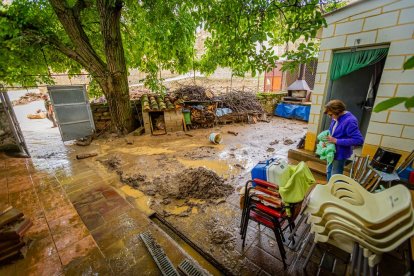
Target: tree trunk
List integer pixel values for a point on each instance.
(112, 75)
(116, 92)
(117, 87)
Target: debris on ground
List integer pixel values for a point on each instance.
(86, 141)
(28, 98)
(270, 149)
(189, 135)
(220, 235)
(129, 142)
(275, 142)
(232, 132)
(86, 155)
(139, 131)
(199, 183)
(135, 180)
(240, 166)
(113, 163)
(288, 141)
(38, 115)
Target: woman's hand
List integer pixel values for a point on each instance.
(331, 139)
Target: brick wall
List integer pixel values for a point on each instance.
(7, 140)
(375, 23)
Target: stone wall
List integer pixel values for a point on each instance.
(7, 140)
(269, 100)
(374, 23)
(102, 117)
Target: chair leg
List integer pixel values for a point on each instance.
(309, 255)
(281, 248)
(364, 271)
(245, 217)
(359, 261)
(353, 258)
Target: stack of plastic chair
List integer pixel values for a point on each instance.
(344, 214)
(262, 204)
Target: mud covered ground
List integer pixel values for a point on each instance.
(194, 183)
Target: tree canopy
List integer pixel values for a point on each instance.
(108, 37)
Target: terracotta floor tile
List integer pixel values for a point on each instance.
(38, 250)
(92, 264)
(59, 211)
(70, 235)
(19, 186)
(39, 229)
(64, 222)
(92, 220)
(48, 267)
(77, 250)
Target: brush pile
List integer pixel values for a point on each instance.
(193, 93)
(241, 102)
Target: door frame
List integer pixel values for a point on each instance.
(14, 124)
(328, 93)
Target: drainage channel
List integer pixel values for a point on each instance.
(204, 259)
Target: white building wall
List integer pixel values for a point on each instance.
(374, 22)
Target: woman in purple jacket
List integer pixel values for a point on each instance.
(344, 134)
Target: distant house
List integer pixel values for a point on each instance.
(361, 59)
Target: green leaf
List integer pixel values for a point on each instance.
(409, 103)
(409, 64)
(387, 104)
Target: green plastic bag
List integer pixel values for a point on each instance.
(325, 150)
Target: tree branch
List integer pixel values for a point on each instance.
(70, 19)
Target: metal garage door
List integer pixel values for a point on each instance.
(72, 110)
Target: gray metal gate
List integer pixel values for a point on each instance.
(72, 110)
(14, 124)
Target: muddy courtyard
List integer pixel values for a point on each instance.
(192, 183)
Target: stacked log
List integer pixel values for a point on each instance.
(168, 103)
(203, 118)
(13, 227)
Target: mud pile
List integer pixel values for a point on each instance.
(113, 163)
(198, 183)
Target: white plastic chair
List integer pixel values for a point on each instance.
(345, 193)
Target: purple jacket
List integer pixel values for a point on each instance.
(347, 135)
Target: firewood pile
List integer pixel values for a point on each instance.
(13, 226)
(203, 116)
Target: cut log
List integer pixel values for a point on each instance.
(86, 155)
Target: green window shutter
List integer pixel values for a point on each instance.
(346, 63)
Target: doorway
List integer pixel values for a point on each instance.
(358, 91)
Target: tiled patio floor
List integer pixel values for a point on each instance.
(81, 225)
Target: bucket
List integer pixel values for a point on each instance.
(215, 138)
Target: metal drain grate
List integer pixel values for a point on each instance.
(162, 261)
(190, 269)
